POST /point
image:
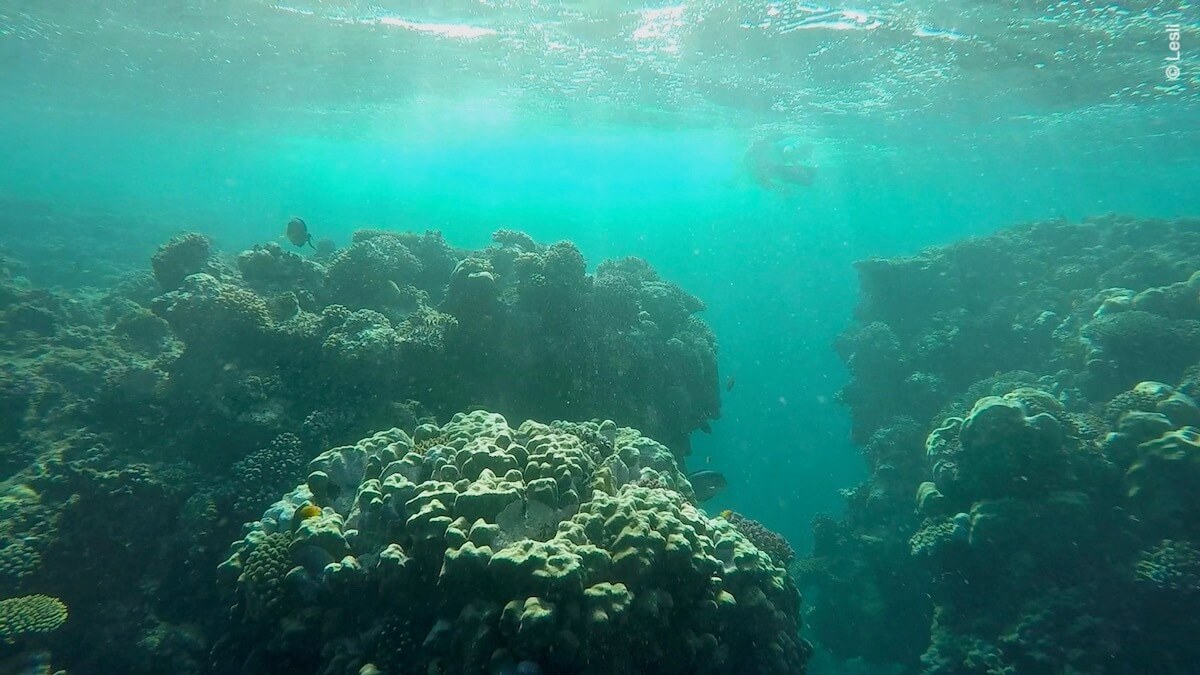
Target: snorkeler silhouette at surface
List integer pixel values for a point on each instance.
(780, 163)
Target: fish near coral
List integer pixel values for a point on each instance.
(304, 513)
(297, 233)
(707, 484)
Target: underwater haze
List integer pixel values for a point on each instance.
(624, 128)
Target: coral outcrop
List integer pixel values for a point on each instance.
(142, 423)
(183, 255)
(1025, 404)
(448, 325)
(30, 614)
(475, 546)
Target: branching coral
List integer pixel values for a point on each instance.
(766, 540)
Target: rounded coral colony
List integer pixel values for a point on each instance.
(483, 547)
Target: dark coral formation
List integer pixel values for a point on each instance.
(175, 260)
(268, 268)
(140, 426)
(1172, 567)
(266, 472)
(1026, 407)
(449, 328)
(1039, 298)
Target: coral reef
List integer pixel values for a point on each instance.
(449, 326)
(478, 547)
(141, 424)
(266, 472)
(1172, 567)
(219, 315)
(1163, 478)
(175, 260)
(771, 543)
(269, 268)
(30, 614)
(1031, 456)
(1025, 403)
(374, 273)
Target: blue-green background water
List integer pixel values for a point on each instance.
(776, 271)
(620, 126)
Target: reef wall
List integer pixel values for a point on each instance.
(146, 421)
(1027, 408)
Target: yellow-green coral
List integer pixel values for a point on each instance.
(29, 614)
(936, 534)
(262, 578)
(930, 500)
(18, 560)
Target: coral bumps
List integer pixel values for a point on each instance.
(141, 424)
(1027, 405)
(447, 325)
(30, 614)
(478, 547)
(183, 255)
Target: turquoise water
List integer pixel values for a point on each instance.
(774, 270)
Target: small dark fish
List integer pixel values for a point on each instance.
(729, 382)
(297, 233)
(313, 559)
(707, 484)
(706, 428)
